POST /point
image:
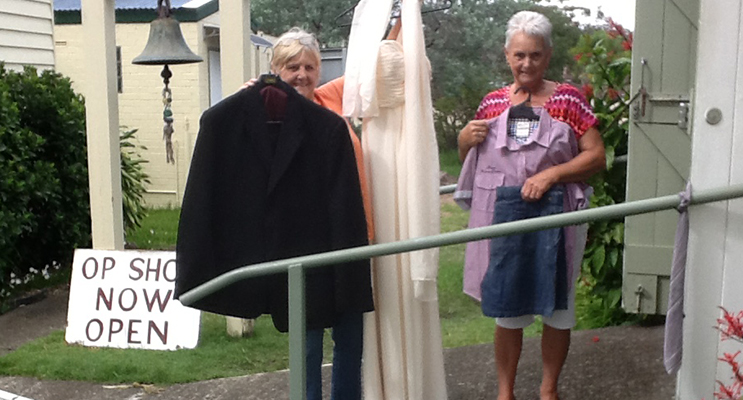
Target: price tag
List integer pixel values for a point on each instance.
(522, 129)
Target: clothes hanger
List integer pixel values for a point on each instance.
(523, 110)
(395, 12)
(274, 97)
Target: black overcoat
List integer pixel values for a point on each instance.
(260, 192)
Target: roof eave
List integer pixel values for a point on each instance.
(142, 15)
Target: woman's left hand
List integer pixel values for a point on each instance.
(536, 186)
(249, 84)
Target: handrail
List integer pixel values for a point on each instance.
(297, 265)
(447, 189)
(462, 236)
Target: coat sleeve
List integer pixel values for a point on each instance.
(348, 221)
(193, 248)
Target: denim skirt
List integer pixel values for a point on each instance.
(527, 273)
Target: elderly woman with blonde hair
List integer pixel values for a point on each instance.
(539, 156)
(296, 60)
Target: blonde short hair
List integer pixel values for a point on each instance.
(531, 23)
(292, 43)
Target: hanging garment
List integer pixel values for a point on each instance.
(403, 355)
(258, 192)
(501, 161)
(527, 273)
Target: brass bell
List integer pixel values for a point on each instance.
(166, 44)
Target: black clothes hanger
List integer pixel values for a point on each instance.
(274, 97)
(395, 12)
(523, 110)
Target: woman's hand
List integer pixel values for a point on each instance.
(249, 83)
(590, 160)
(536, 186)
(471, 135)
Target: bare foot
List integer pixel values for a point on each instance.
(549, 396)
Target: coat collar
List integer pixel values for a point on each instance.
(291, 132)
(541, 136)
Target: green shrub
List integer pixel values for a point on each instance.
(44, 212)
(133, 180)
(44, 201)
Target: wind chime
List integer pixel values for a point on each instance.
(166, 46)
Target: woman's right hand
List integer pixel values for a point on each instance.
(249, 83)
(471, 135)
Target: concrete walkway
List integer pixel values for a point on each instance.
(607, 364)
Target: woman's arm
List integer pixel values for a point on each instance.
(590, 160)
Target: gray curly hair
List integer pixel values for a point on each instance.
(532, 23)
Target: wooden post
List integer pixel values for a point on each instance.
(102, 124)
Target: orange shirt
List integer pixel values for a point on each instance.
(330, 96)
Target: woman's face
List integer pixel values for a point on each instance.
(302, 72)
(528, 58)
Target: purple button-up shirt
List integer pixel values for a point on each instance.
(500, 161)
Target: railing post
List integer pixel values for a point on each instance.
(297, 334)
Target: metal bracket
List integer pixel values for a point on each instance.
(683, 116)
(638, 110)
(639, 292)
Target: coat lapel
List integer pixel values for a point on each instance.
(256, 129)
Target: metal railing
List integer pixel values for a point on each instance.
(296, 266)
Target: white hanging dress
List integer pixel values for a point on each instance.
(403, 355)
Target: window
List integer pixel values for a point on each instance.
(119, 79)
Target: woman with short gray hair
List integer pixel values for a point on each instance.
(535, 140)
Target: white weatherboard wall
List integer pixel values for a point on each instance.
(26, 34)
(715, 258)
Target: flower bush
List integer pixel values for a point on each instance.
(731, 328)
(604, 57)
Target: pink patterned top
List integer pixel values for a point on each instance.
(567, 104)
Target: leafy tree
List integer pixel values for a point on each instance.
(316, 16)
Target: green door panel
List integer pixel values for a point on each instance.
(659, 159)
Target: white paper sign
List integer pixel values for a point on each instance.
(124, 299)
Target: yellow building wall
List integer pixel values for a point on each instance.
(141, 105)
(140, 102)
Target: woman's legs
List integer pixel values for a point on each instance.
(348, 335)
(555, 345)
(507, 352)
(314, 363)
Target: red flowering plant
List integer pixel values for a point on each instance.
(731, 327)
(604, 57)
